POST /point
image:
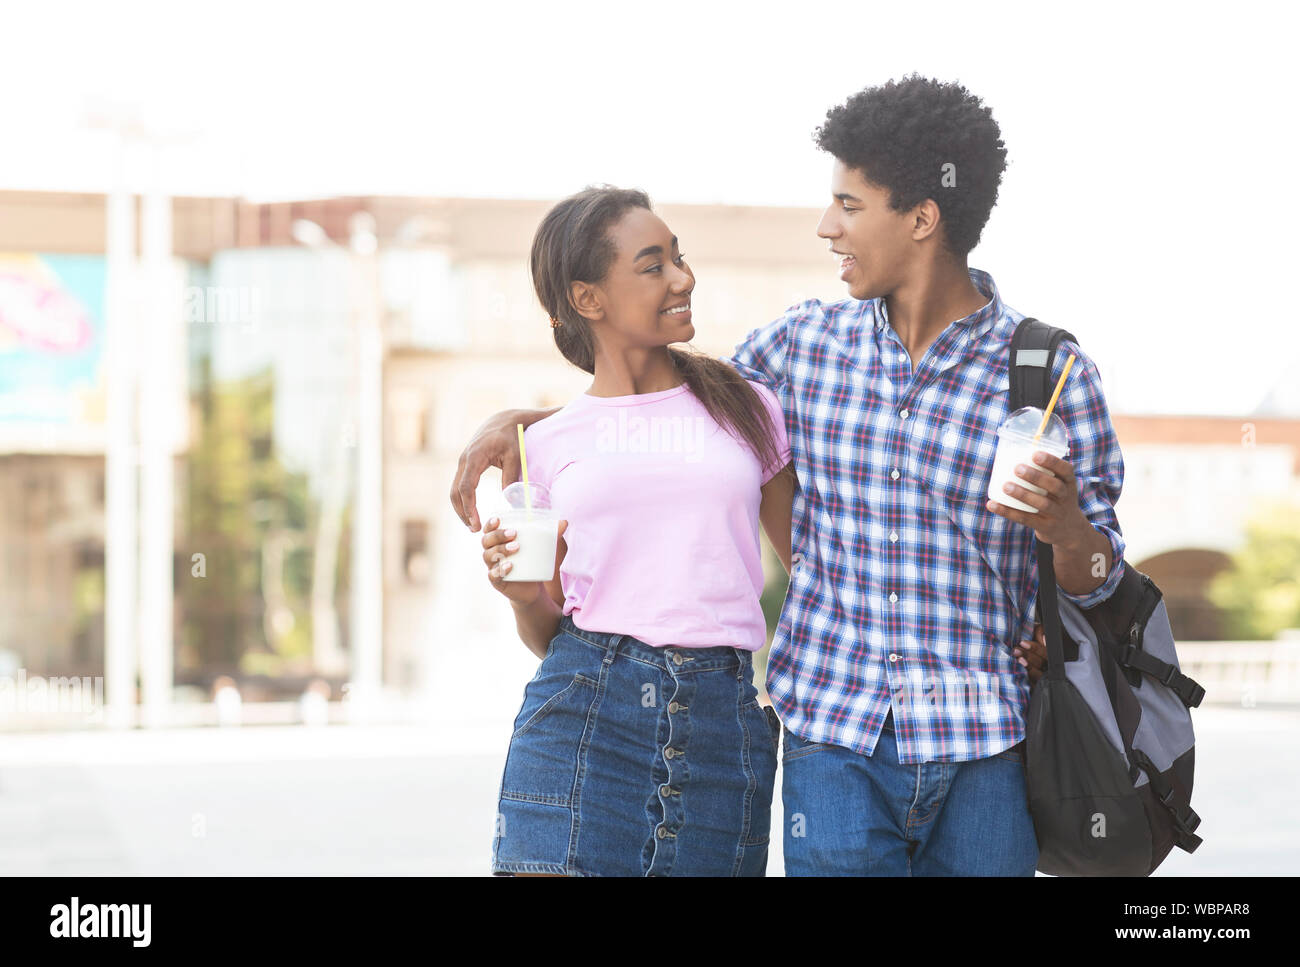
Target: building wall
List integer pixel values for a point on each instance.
(51, 559)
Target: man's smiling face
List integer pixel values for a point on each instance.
(872, 242)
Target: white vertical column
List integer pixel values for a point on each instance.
(367, 543)
(328, 657)
(158, 403)
(120, 457)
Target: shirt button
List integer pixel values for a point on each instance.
(892, 596)
(665, 790)
(894, 474)
(902, 414)
(673, 707)
(893, 537)
(661, 832)
(670, 752)
(893, 657)
(902, 357)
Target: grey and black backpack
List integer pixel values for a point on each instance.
(1109, 748)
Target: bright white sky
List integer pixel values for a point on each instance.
(1150, 205)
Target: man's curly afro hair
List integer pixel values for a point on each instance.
(901, 135)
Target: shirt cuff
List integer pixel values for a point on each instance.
(770, 472)
(1107, 587)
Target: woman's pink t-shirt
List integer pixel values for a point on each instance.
(662, 505)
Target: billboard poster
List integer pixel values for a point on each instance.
(51, 348)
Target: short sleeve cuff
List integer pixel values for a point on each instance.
(748, 372)
(1107, 587)
(772, 471)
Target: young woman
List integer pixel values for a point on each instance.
(641, 748)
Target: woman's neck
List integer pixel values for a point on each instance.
(634, 373)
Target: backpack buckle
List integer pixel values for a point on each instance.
(1169, 676)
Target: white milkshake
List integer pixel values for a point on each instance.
(1016, 445)
(536, 530)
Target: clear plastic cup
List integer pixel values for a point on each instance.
(537, 532)
(1016, 445)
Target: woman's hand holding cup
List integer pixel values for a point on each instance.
(498, 544)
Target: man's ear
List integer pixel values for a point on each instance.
(925, 220)
(587, 300)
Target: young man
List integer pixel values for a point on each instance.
(892, 668)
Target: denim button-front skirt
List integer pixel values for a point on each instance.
(633, 760)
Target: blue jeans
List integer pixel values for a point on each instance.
(632, 760)
(848, 814)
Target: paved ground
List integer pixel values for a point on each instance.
(408, 800)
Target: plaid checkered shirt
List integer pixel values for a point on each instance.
(906, 591)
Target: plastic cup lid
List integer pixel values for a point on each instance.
(1025, 421)
(513, 495)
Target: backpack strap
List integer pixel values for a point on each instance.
(1132, 656)
(1122, 618)
(1033, 348)
(1050, 611)
(1029, 372)
(1184, 817)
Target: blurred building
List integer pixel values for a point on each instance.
(1192, 485)
(266, 449)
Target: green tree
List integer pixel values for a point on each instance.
(1260, 593)
(246, 513)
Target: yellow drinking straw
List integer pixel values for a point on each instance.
(1055, 395)
(523, 460)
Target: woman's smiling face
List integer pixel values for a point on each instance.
(646, 294)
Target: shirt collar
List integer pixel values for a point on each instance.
(987, 313)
